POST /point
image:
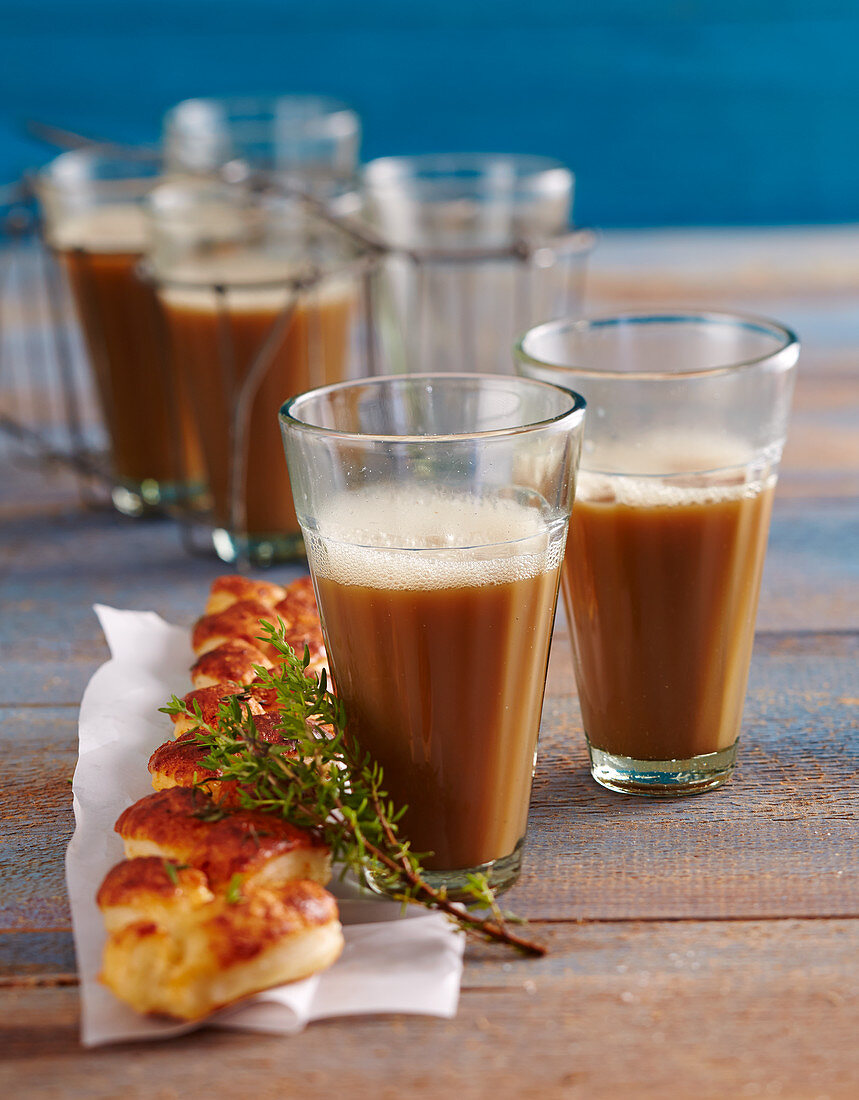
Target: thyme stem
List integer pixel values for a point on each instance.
(330, 785)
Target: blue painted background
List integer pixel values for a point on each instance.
(672, 112)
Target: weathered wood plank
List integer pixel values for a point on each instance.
(804, 275)
(56, 567)
(36, 957)
(55, 564)
(39, 748)
(647, 1010)
(811, 573)
(627, 1002)
(779, 840)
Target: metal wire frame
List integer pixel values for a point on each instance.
(529, 256)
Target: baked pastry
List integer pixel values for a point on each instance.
(147, 886)
(298, 601)
(171, 953)
(183, 824)
(234, 661)
(230, 589)
(179, 763)
(300, 615)
(208, 700)
(235, 635)
(215, 902)
(239, 620)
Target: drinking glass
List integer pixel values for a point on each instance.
(92, 205)
(479, 248)
(259, 300)
(307, 141)
(688, 415)
(434, 510)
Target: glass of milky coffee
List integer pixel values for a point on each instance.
(259, 299)
(687, 419)
(435, 510)
(92, 209)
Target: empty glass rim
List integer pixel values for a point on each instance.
(526, 170)
(101, 165)
(324, 113)
(287, 415)
(783, 356)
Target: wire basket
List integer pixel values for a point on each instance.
(412, 309)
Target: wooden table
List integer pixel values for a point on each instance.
(701, 948)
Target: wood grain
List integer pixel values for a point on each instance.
(698, 948)
(53, 568)
(646, 1010)
(778, 841)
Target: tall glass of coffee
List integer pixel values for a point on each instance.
(434, 510)
(688, 415)
(259, 300)
(92, 204)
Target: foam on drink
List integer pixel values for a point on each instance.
(370, 539)
(657, 492)
(119, 227)
(243, 279)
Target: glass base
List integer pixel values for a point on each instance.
(260, 550)
(500, 873)
(662, 778)
(149, 497)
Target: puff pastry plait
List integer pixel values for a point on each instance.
(214, 902)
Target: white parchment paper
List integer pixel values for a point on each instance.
(390, 963)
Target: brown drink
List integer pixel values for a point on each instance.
(440, 657)
(153, 442)
(216, 341)
(660, 583)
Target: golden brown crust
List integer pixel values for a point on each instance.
(208, 700)
(298, 608)
(231, 588)
(216, 902)
(262, 917)
(240, 620)
(305, 633)
(232, 661)
(187, 961)
(149, 879)
(177, 823)
(179, 763)
(240, 623)
(265, 696)
(298, 600)
(300, 616)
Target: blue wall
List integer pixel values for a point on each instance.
(671, 111)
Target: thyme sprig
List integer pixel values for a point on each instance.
(327, 783)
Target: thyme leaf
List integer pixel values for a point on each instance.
(234, 890)
(171, 870)
(325, 782)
